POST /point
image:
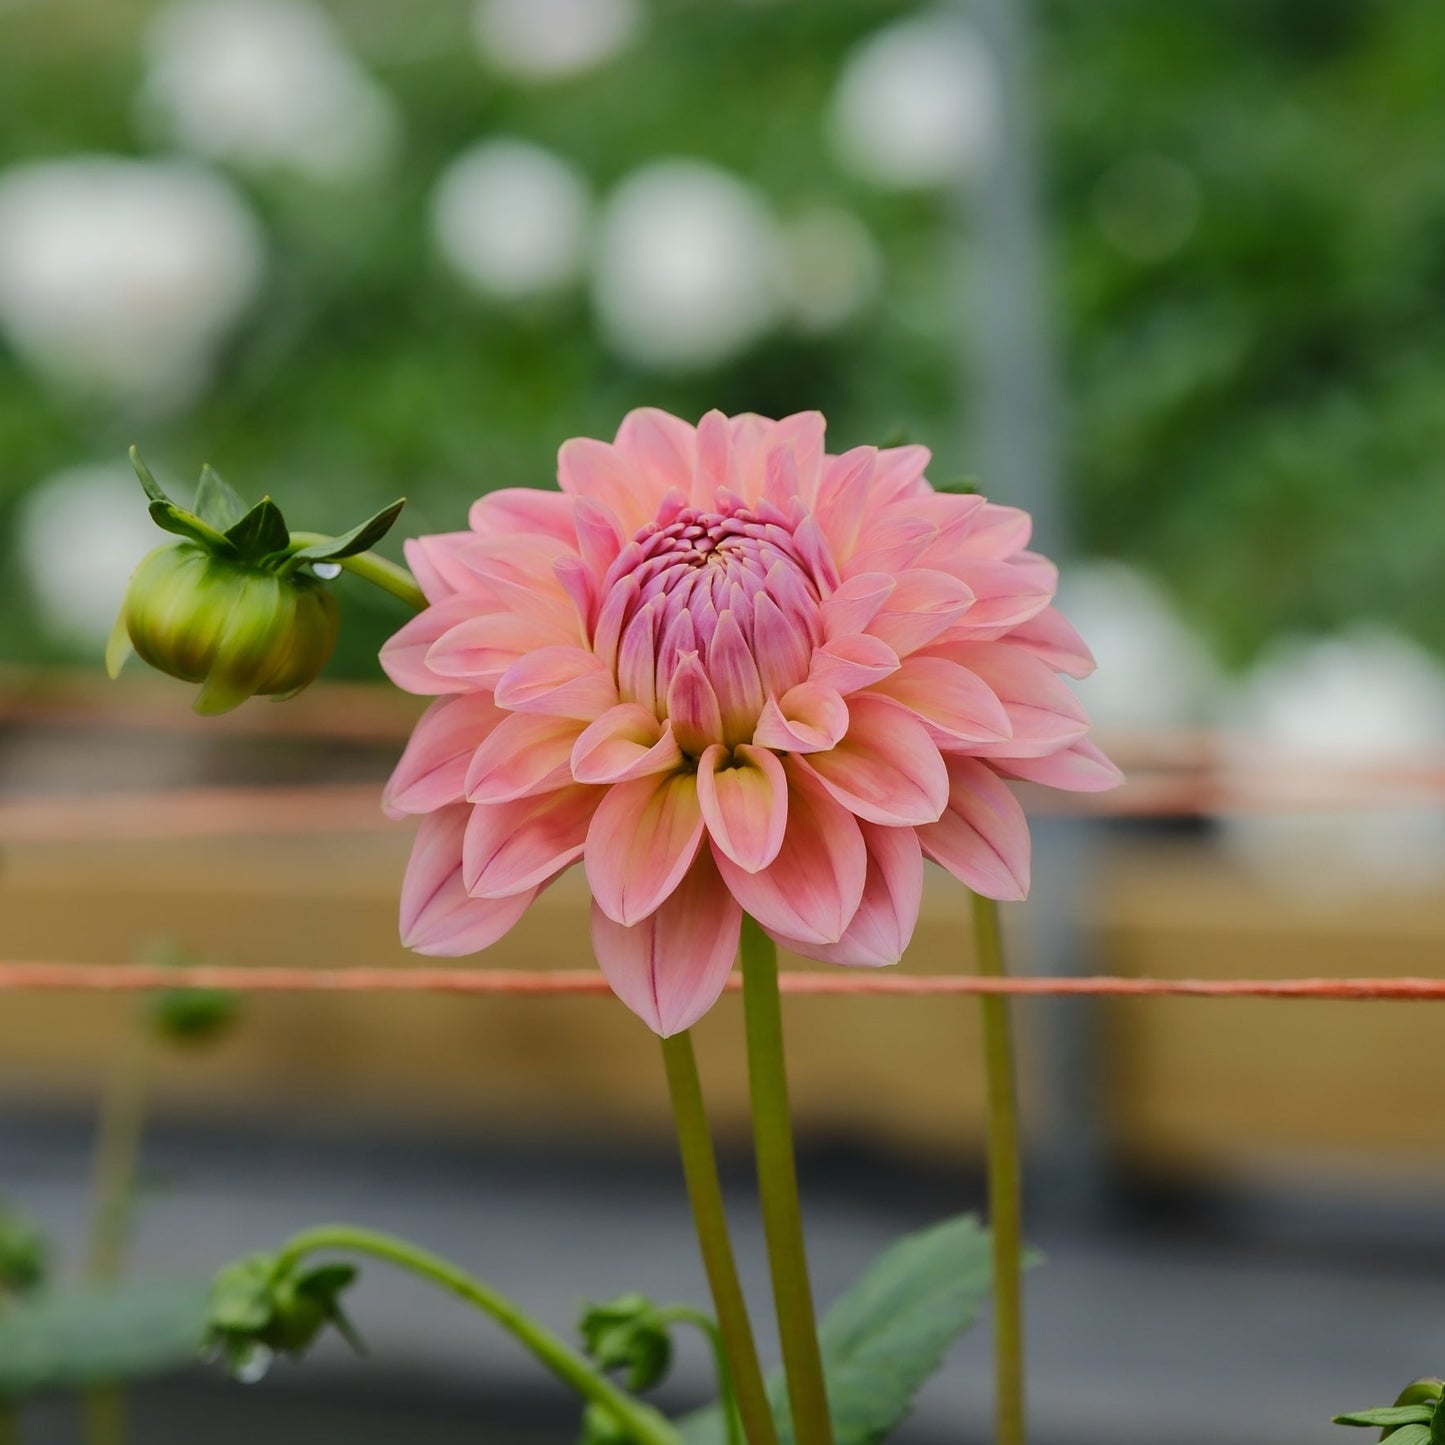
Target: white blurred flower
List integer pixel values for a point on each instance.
(685, 274)
(1367, 700)
(543, 39)
(267, 83)
(831, 268)
(1154, 672)
(512, 219)
(123, 276)
(916, 104)
(80, 534)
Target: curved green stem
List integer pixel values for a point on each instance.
(778, 1189)
(704, 1191)
(642, 1422)
(707, 1327)
(373, 568)
(1005, 1189)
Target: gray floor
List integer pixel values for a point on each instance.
(1190, 1335)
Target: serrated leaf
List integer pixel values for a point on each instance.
(217, 501)
(75, 1338)
(1389, 1415)
(886, 1335)
(261, 532)
(367, 534)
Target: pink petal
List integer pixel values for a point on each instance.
(735, 680)
(522, 571)
(1006, 593)
(438, 568)
(808, 718)
(890, 545)
(437, 915)
(887, 769)
(983, 837)
(714, 453)
(899, 474)
(660, 446)
(1044, 713)
(848, 663)
(781, 645)
(956, 705)
(1082, 768)
(561, 681)
(515, 511)
(643, 838)
(923, 605)
(670, 968)
(842, 504)
(751, 437)
(884, 923)
(588, 468)
(1052, 639)
(626, 742)
(527, 753)
(406, 656)
(599, 536)
(475, 651)
(744, 801)
(812, 889)
(856, 603)
(510, 847)
(692, 707)
(432, 771)
(802, 436)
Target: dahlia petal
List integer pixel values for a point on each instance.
(637, 657)
(659, 445)
(843, 498)
(1043, 711)
(891, 545)
(887, 769)
(883, 925)
(589, 468)
(526, 753)
(522, 572)
(692, 707)
(999, 531)
(713, 459)
(560, 681)
(438, 569)
(780, 476)
(475, 651)
(1082, 768)
(599, 535)
(813, 548)
(781, 647)
(744, 799)
(670, 968)
(407, 655)
(734, 676)
(516, 511)
(432, 772)
(437, 915)
(643, 838)
(510, 847)
(751, 436)
(812, 889)
(923, 605)
(579, 586)
(809, 718)
(899, 474)
(982, 837)
(802, 435)
(626, 742)
(1052, 639)
(1006, 594)
(847, 664)
(856, 603)
(955, 704)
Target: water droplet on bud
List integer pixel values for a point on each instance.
(326, 570)
(252, 1368)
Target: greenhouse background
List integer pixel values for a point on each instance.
(1172, 276)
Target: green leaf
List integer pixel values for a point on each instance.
(171, 518)
(261, 532)
(358, 539)
(217, 502)
(1411, 1435)
(77, 1337)
(1389, 1415)
(153, 488)
(887, 1334)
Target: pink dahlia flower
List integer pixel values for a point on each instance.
(726, 671)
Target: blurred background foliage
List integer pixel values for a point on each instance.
(1247, 225)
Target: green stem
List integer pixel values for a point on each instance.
(373, 568)
(704, 1191)
(644, 1424)
(778, 1189)
(9, 1423)
(1005, 1190)
(727, 1396)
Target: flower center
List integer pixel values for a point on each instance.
(731, 587)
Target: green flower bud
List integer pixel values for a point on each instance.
(262, 1303)
(235, 628)
(238, 605)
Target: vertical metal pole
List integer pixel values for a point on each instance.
(1016, 429)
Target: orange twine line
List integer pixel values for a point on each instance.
(125, 978)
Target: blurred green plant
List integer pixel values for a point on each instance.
(1414, 1419)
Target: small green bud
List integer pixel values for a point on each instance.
(262, 1304)
(626, 1334)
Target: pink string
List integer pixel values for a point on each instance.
(127, 978)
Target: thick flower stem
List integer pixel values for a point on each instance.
(1005, 1191)
(641, 1422)
(778, 1189)
(699, 1167)
(371, 567)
